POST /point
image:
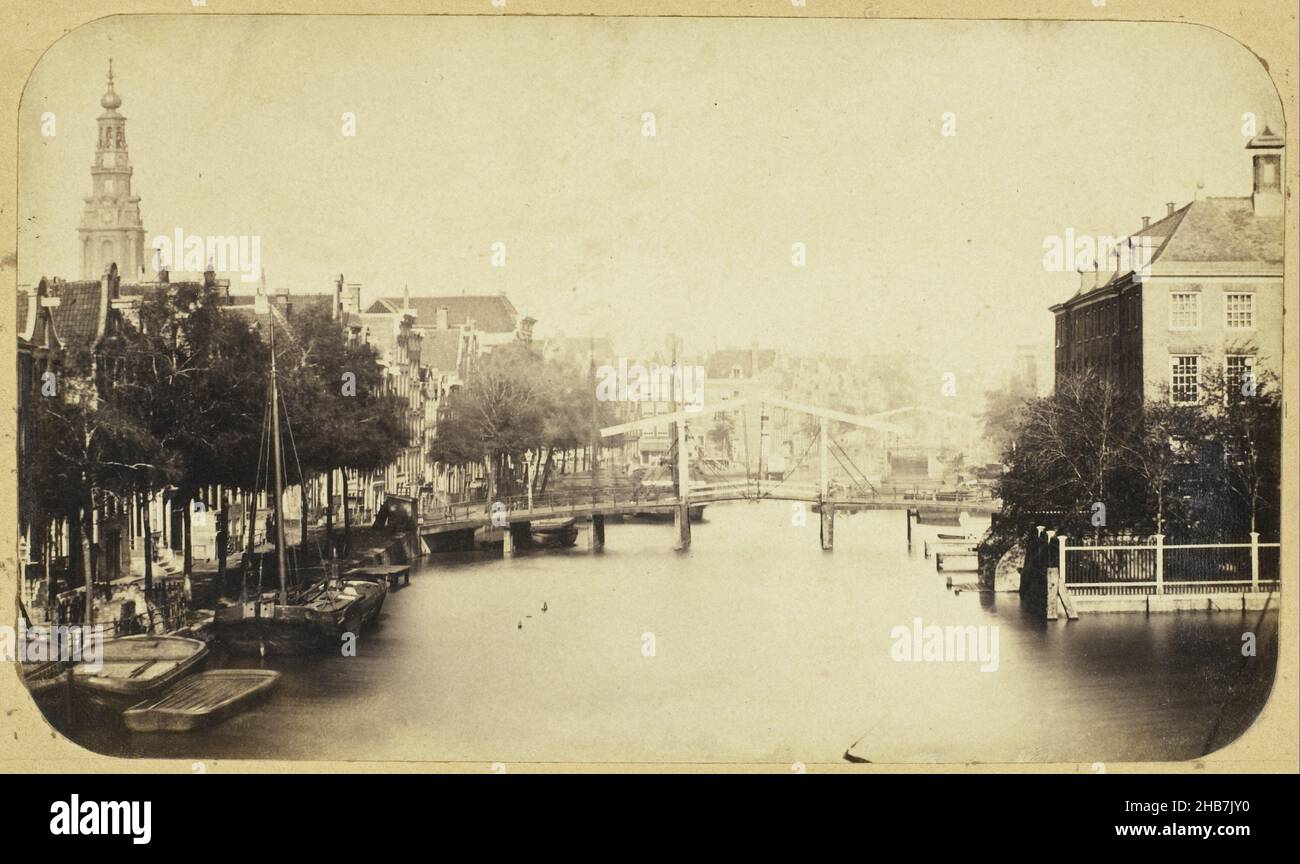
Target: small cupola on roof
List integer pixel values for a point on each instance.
(1266, 153)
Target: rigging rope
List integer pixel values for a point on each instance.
(263, 463)
(851, 466)
(787, 474)
(302, 481)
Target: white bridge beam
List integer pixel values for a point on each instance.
(732, 405)
(660, 419)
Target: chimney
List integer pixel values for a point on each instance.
(1083, 281)
(1169, 208)
(1146, 222)
(338, 298)
(1266, 154)
(442, 317)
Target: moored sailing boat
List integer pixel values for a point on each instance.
(279, 624)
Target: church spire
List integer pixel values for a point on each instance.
(111, 101)
(111, 231)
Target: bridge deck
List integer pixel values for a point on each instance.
(463, 517)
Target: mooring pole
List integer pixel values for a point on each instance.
(682, 512)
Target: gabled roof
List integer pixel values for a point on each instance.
(720, 363)
(491, 313)
(1208, 231)
(442, 350)
(289, 306)
(78, 317)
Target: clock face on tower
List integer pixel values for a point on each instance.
(107, 216)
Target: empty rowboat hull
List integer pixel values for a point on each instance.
(200, 700)
(132, 668)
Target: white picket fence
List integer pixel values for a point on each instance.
(1160, 568)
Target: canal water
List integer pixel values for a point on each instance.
(754, 646)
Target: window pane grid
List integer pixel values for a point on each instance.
(1184, 377)
(1185, 311)
(1239, 310)
(1235, 370)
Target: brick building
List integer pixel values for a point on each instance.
(1209, 297)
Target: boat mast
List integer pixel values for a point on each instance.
(275, 443)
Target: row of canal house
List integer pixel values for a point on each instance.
(776, 440)
(426, 347)
(66, 329)
(429, 346)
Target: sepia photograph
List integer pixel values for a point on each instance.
(509, 389)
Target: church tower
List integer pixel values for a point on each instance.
(111, 230)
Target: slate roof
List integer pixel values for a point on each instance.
(491, 313)
(1211, 230)
(1224, 230)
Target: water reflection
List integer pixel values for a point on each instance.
(765, 648)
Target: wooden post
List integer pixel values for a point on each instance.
(1160, 563)
(681, 513)
(1254, 560)
(828, 525)
(908, 514)
(1062, 591)
(822, 457)
(223, 537)
(597, 532)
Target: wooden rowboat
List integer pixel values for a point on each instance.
(134, 668)
(553, 533)
(694, 511)
(48, 683)
(370, 597)
(386, 573)
(200, 700)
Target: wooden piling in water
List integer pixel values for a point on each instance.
(682, 526)
(828, 526)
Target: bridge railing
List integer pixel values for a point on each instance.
(582, 500)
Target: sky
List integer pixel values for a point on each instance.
(530, 132)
